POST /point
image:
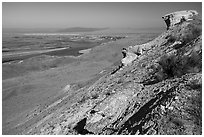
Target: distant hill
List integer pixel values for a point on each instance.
(29, 30)
(80, 29)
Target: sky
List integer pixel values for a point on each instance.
(111, 15)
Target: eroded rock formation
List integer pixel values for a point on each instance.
(157, 91)
(174, 18)
(133, 52)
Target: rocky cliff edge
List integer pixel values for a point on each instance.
(156, 90)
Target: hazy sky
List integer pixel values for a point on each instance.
(64, 15)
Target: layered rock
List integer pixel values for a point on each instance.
(133, 52)
(174, 18)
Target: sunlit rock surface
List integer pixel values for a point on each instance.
(174, 18)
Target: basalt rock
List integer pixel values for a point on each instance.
(156, 92)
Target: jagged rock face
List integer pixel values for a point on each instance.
(133, 52)
(130, 54)
(156, 93)
(178, 17)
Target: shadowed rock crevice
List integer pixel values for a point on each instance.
(79, 128)
(142, 116)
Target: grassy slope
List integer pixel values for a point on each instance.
(20, 94)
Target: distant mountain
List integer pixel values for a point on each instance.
(80, 29)
(29, 30)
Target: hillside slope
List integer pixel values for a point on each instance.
(155, 90)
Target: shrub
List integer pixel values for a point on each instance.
(171, 39)
(169, 65)
(94, 96)
(185, 32)
(190, 33)
(83, 99)
(178, 65)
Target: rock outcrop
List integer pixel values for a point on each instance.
(174, 18)
(133, 52)
(157, 91)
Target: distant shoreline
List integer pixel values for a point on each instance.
(48, 34)
(23, 55)
(32, 52)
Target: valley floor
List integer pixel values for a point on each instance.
(25, 93)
